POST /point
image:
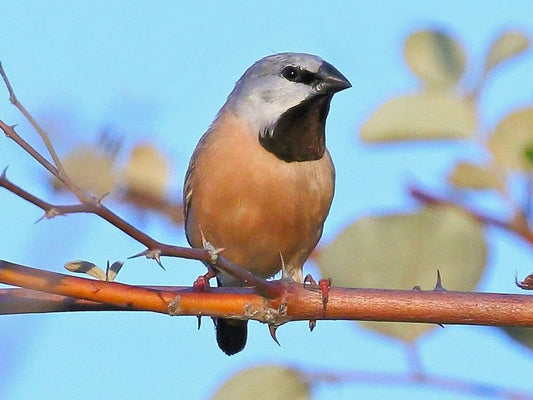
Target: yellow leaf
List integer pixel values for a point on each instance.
(435, 58)
(431, 115)
(90, 168)
(147, 171)
(266, 382)
(513, 139)
(470, 176)
(405, 250)
(506, 46)
(86, 267)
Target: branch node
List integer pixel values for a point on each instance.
(212, 250)
(526, 284)
(51, 213)
(98, 200)
(154, 254)
(174, 307)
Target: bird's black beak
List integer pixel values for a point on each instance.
(330, 80)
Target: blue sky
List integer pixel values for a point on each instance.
(159, 72)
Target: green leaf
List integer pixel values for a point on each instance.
(266, 382)
(529, 154)
(404, 250)
(506, 46)
(512, 139)
(466, 175)
(435, 57)
(430, 115)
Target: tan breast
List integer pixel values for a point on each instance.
(255, 205)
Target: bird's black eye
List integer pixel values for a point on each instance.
(299, 75)
(290, 73)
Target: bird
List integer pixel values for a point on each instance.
(260, 182)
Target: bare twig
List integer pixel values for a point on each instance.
(90, 204)
(155, 249)
(383, 378)
(44, 136)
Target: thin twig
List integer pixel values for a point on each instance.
(155, 249)
(93, 205)
(44, 136)
(437, 382)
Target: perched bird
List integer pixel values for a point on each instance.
(260, 182)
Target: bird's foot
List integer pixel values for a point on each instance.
(201, 284)
(323, 284)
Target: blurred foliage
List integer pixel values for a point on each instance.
(142, 182)
(266, 382)
(381, 251)
(404, 250)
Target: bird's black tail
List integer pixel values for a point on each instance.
(231, 335)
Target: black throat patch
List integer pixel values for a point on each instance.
(300, 132)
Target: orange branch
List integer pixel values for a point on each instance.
(295, 302)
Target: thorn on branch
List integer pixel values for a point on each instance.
(154, 254)
(212, 250)
(272, 329)
(51, 213)
(312, 324)
(438, 284)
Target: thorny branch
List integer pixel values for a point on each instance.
(91, 204)
(273, 302)
(298, 302)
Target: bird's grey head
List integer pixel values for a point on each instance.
(285, 100)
